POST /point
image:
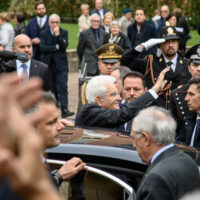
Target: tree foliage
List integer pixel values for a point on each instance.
(71, 8)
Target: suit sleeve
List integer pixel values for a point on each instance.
(111, 118)
(62, 40)
(44, 45)
(81, 46)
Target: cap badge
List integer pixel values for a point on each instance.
(170, 31)
(167, 23)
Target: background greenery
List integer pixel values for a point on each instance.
(69, 10)
(73, 35)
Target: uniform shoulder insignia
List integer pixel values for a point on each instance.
(180, 86)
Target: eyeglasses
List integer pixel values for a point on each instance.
(96, 21)
(56, 22)
(114, 94)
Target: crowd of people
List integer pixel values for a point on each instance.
(139, 80)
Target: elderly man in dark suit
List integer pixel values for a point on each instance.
(103, 98)
(54, 42)
(89, 41)
(30, 68)
(171, 173)
(35, 26)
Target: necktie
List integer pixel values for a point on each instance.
(170, 64)
(197, 132)
(97, 36)
(25, 71)
(40, 23)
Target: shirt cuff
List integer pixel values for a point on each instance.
(153, 93)
(138, 48)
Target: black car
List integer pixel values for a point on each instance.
(111, 152)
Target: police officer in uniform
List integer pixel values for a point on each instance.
(178, 106)
(108, 58)
(152, 65)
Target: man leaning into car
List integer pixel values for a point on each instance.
(171, 173)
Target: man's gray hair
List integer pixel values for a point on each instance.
(94, 15)
(97, 87)
(54, 15)
(158, 123)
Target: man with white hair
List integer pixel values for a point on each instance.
(89, 41)
(103, 98)
(171, 173)
(54, 42)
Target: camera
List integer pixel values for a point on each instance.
(6, 56)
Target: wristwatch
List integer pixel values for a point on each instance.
(57, 175)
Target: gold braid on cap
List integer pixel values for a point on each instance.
(109, 54)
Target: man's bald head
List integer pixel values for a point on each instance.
(22, 44)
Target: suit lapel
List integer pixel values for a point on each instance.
(91, 36)
(33, 68)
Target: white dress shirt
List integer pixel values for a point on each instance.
(174, 61)
(20, 69)
(43, 20)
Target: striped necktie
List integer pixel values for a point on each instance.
(25, 71)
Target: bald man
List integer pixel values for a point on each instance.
(30, 68)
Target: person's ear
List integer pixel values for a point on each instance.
(99, 101)
(146, 89)
(146, 138)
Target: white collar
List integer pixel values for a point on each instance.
(174, 60)
(160, 151)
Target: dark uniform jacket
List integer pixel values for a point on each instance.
(94, 116)
(169, 177)
(179, 77)
(185, 118)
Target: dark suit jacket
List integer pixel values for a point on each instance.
(48, 48)
(179, 77)
(33, 30)
(97, 12)
(94, 116)
(148, 31)
(86, 48)
(37, 69)
(122, 40)
(169, 177)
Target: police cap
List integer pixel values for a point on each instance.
(168, 32)
(193, 54)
